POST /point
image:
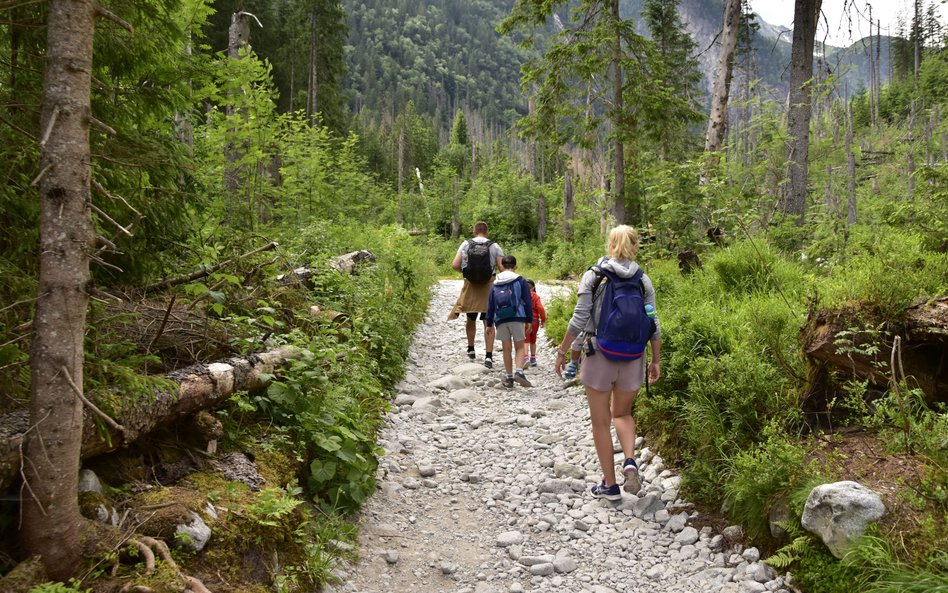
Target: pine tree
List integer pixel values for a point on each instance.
(593, 86)
(678, 69)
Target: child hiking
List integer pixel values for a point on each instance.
(510, 310)
(539, 318)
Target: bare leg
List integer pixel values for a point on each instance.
(521, 354)
(471, 329)
(489, 332)
(508, 360)
(601, 420)
(623, 420)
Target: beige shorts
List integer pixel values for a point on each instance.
(512, 330)
(602, 374)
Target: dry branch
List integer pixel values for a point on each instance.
(206, 271)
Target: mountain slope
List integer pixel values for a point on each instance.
(446, 54)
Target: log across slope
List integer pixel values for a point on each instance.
(199, 387)
(838, 338)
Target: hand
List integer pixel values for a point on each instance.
(560, 363)
(654, 371)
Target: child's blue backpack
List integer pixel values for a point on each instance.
(624, 327)
(506, 300)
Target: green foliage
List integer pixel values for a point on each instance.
(399, 53)
(760, 478)
(274, 505)
(888, 271)
(73, 587)
(331, 400)
(558, 313)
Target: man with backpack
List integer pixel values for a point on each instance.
(616, 310)
(478, 260)
(510, 309)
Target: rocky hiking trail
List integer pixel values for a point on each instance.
(484, 489)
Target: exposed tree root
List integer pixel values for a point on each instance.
(148, 546)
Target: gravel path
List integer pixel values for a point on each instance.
(484, 489)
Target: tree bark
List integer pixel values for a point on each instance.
(717, 122)
(50, 510)
(200, 386)
(851, 168)
(925, 347)
(798, 115)
(568, 206)
(618, 205)
(312, 102)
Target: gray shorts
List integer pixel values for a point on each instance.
(602, 374)
(512, 330)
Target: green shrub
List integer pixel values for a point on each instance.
(888, 272)
(762, 476)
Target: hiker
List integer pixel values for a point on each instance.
(478, 260)
(539, 318)
(510, 309)
(617, 331)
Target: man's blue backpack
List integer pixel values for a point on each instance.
(624, 327)
(506, 300)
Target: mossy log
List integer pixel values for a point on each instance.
(839, 339)
(199, 387)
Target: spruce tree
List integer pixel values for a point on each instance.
(680, 76)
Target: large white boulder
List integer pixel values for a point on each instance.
(840, 512)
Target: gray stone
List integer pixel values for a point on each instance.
(424, 404)
(688, 535)
(751, 554)
(647, 505)
(677, 522)
(448, 568)
(461, 396)
(447, 383)
(763, 573)
(426, 470)
(565, 565)
(192, 536)
(655, 573)
(509, 538)
(555, 487)
(751, 587)
(779, 513)
(531, 560)
(568, 470)
(840, 512)
(542, 570)
(89, 482)
(390, 556)
(470, 369)
(733, 533)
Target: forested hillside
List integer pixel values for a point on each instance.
(223, 220)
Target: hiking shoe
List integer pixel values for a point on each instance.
(508, 382)
(608, 492)
(633, 483)
(533, 361)
(471, 355)
(571, 368)
(489, 363)
(521, 379)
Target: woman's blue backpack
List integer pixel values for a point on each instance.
(624, 327)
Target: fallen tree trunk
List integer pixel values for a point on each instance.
(200, 386)
(841, 340)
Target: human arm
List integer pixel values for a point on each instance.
(655, 365)
(563, 353)
(489, 316)
(456, 264)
